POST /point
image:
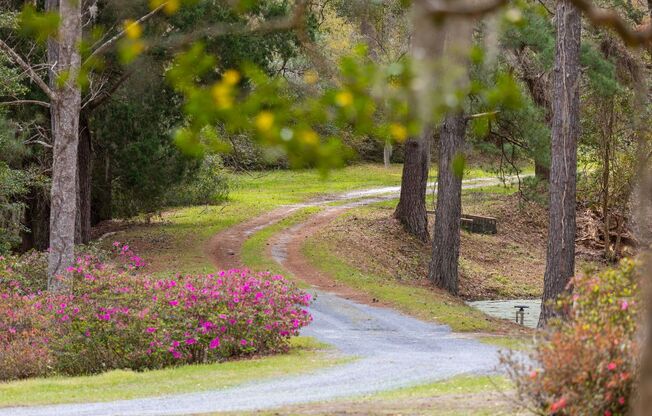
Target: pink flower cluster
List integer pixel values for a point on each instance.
(199, 318)
(121, 317)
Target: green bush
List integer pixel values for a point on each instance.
(208, 185)
(535, 190)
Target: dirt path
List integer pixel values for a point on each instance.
(393, 350)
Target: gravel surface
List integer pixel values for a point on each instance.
(393, 350)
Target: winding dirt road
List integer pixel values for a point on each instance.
(393, 350)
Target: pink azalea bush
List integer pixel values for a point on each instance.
(120, 317)
(586, 365)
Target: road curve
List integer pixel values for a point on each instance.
(392, 349)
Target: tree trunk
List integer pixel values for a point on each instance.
(560, 260)
(538, 85)
(541, 171)
(37, 216)
(427, 46)
(411, 209)
(607, 131)
(643, 195)
(102, 196)
(641, 204)
(65, 130)
(84, 178)
(446, 240)
(370, 35)
(387, 154)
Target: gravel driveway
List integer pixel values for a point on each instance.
(392, 350)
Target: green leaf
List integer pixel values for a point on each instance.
(459, 164)
(38, 25)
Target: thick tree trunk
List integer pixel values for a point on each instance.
(446, 234)
(641, 207)
(560, 260)
(643, 195)
(84, 179)
(65, 125)
(446, 240)
(411, 209)
(427, 46)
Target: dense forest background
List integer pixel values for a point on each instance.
(130, 165)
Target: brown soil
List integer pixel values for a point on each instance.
(297, 264)
(508, 264)
(224, 248)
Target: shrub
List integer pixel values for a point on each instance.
(535, 190)
(25, 332)
(120, 317)
(586, 365)
(207, 186)
(26, 273)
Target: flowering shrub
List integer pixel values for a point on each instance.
(586, 365)
(120, 317)
(27, 272)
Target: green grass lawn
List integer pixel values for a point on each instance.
(270, 189)
(306, 355)
(455, 385)
(457, 396)
(176, 242)
(522, 343)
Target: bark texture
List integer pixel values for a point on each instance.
(411, 209)
(560, 260)
(644, 398)
(65, 111)
(642, 197)
(446, 238)
(427, 45)
(446, 235)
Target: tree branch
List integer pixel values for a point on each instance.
(105, 95)
(28, 69)
(480, 115)
(106, 45)
(286, 23)
(610, 19)
(19, 102)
